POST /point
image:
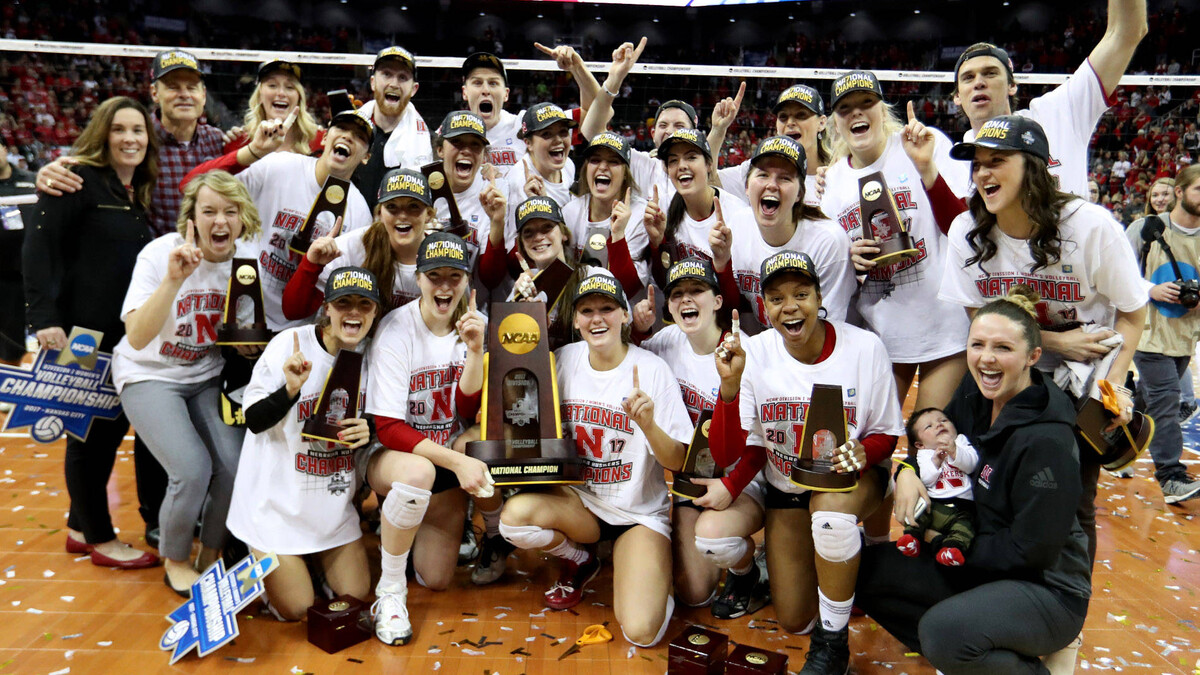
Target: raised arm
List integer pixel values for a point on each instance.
(1126, 28)
(601, 111)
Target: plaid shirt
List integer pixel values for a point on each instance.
(175, 160)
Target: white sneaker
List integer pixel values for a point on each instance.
(390, 613)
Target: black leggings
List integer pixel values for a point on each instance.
(88, 466)
(962, 626)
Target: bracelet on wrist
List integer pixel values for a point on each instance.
(605, 90)
(253, 154)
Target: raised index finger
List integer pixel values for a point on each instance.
(734, 328)
(656, 193)
(720, 214)
(337, 227)
(737, 100)
(295, 343)
(912, 115)
(543, 48)
(635, 377)
(637, 52)
(191, 233)
(471, 304)
(290, 119)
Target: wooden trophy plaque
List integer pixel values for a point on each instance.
(338, 401)
(332, 200)
(824, 432)
(595, 246)
(439, 187)
(244, 283)
(336, 624)
(747, 660)
(1115, 449)
(698, 463)
(881, 221)
(697, 651)
(521, 434)
(553, 281)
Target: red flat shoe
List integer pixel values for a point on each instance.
(141, 562)
(78, 547)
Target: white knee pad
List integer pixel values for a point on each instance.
(662, 630)
(405, 505)
(835, 535)
(526, 536)
(724, 552)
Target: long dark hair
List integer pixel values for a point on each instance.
(91, 147)
(1041, 200)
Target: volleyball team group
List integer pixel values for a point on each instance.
(734, 291)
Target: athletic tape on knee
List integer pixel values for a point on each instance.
(526, 536)
(662, 630)
(405, 505)
(724, 552)
(835, 535)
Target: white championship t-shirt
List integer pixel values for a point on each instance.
(1068, 114)
(733, 180)
(894, 296)
(284, 187)
(294, 496)
(776, 390)
(560, 192)
(823, 241)
(354, 253)
(625, 483)
(505, 150)
(415, 373)
(1096, 275)
(696, 373)
(691, 236)
(577, 215)
(185, 348)
(648, 171)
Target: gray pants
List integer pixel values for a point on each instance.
(1158, 396)
(182, 426)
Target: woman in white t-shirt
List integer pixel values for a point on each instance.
(425, 389)
(167, 368)
(783, 220)
(388, 247)
(766, 386)
(547, 169)
(926, 188)
(711, 532)
(606, 199)
(1020, 229)
(622, 406)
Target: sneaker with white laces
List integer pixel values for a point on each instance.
(493, 558)
(568, 590)
(390, 613)
(1180, 488)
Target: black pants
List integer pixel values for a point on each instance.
(1089, 475)
(88, 466)
(151, 482)
(960, 624)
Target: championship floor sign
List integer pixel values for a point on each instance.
(64, 392)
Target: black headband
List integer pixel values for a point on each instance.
(990, 50)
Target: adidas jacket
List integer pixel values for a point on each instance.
(1026, 489)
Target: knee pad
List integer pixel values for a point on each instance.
(662, 630)
(405, 505)
(526, 536)
(835, 535)
(724, 552)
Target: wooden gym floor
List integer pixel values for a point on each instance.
(60, 614)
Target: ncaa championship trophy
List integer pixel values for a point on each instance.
(697, 463)
(881, 221)
(338, 401)
(331, 199)
(824, 431)
(521, 432)
(244, 283)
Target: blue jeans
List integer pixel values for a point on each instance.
(1158, 396)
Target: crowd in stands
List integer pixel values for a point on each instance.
(46, 99)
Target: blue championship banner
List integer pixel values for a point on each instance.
(208, 621)
(64, 392)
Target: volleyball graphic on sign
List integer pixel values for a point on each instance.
(47, 429)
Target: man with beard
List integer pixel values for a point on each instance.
(985, 88)
(401, 137)
(1169, 339)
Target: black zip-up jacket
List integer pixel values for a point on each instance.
(1026, 489)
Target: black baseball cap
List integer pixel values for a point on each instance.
(691, 137)
(483, 60)
(697, 269)
(442, 249)
(804, 95)
(857, 80)
(614, 142)
(538, 207)
(399, 54)
(358, 120)
(352, 281)
(405, 183)
(1006, 132)
(173, 60)
(682, 105)
(542, 116)
(268, 67)
(461, 123)
(788, 261)
(785, 147)
(602, 283)
(985, 50)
